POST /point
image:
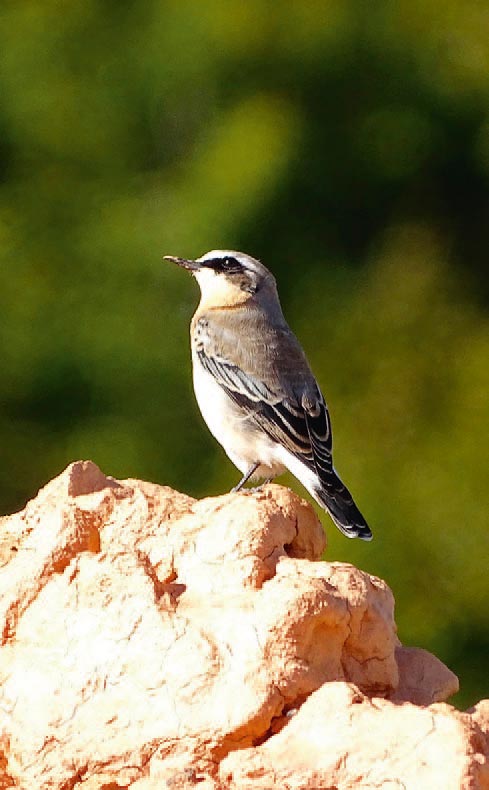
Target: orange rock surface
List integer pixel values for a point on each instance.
(150, 641)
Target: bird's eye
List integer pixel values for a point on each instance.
(225, 264)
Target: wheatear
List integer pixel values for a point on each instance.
(255, 388)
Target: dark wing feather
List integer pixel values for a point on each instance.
(333, 494)
(280, 418)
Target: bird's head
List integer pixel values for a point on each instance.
(228, 278)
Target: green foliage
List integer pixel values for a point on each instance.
(345, 145)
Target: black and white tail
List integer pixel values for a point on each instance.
(337, 500)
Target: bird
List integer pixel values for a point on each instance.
(255, 388)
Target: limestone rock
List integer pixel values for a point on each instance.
(150, 640)
(341, 738)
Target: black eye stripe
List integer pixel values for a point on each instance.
(227, 264)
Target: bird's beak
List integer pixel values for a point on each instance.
(193, 266)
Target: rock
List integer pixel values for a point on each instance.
(341, 738)
(423, 678)
(150, 641)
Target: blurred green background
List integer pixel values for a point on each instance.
(345, 144)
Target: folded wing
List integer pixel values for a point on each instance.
(294, 414)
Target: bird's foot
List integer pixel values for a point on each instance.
(261, 486)
(252, 489)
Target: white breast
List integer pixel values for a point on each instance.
(243, 442)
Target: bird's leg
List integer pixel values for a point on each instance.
(251, 471)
